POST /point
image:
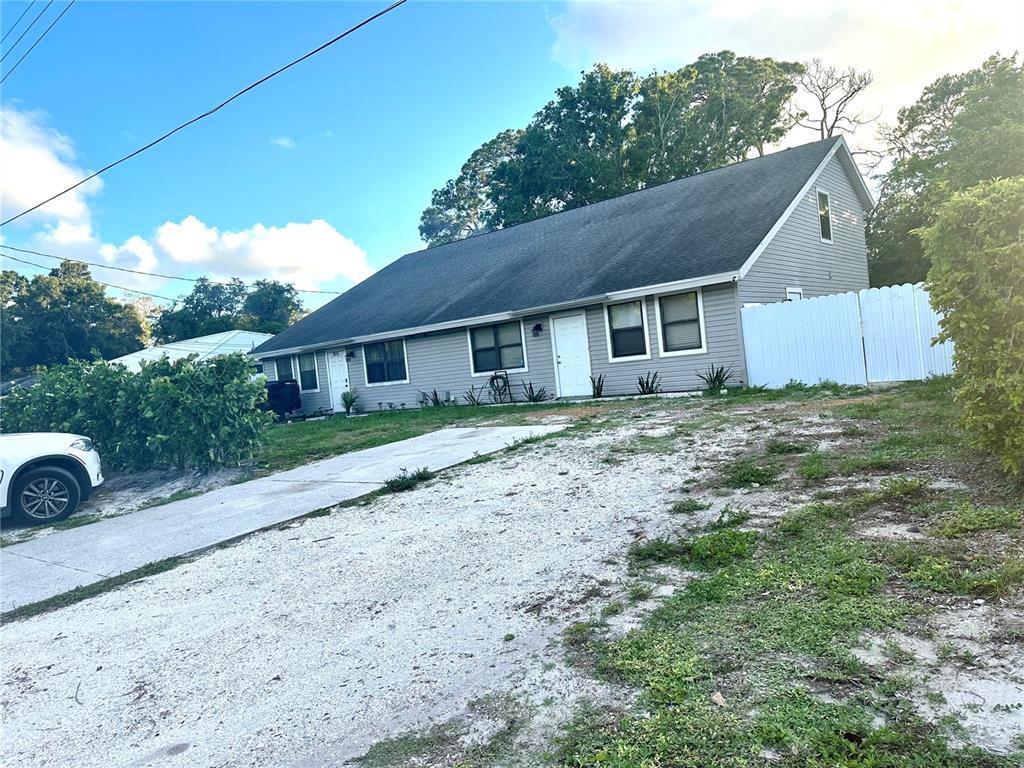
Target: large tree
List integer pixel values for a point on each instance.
(269, 307)
(61, 316)
(463, 207)
(614, 133)
(964, 129)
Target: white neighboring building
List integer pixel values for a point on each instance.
(205, 346)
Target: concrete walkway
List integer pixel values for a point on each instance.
(54, 564)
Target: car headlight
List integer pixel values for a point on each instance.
(82, 444)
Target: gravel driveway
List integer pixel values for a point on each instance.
(307, 645)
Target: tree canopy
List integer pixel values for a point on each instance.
(612, 133)
(61, 316)
(964, 129)
(268, 306)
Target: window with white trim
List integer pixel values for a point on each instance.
(680, 322)
(824, 217)
(626, 329)
(385, 362)
(794, 294)
(308, 379)
(283, 366)
(497, 347)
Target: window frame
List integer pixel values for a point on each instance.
(297, 368)
(817, 209)
(703, 348)
(472, 361)
(366, 371)
(790, 289)
(608, 330)
(291, 364)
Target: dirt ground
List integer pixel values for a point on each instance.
(421, 619)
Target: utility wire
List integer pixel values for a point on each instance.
(141, 272)
(15, 43)
(38, 40)
(108, 285)
(17, 21)
(211, 111)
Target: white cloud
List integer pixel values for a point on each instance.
(285, 142)
(906, 45)
(307, 255)
(37, 162)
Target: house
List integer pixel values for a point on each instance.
(204, 346)
(652, 280)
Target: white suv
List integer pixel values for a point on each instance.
(44, 476)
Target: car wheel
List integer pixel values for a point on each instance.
(45, 495)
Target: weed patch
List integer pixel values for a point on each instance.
(748, 472)
(966, 518)
(688, 506)
(406, 481)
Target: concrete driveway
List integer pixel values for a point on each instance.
(54, 564)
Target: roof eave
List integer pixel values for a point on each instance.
(623, 295)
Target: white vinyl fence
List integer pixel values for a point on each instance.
(874, 335)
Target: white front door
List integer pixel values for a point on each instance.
(337, 370)
(572, 355)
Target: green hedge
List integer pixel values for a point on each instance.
(976, 247)
(184, 414)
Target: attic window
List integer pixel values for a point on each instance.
(824, 217)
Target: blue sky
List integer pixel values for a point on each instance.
(320, 175)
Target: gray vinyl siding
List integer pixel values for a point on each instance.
(441, 361)
(797, 258)
(678, 374)
(312, 402)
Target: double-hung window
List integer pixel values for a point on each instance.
(308, 379)
(385, 362)
(824, 217)
(497, 347)
(626, 331)
(679, 315)
(283, 366)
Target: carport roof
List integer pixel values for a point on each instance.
(702, 225)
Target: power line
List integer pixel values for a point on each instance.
(142, 272)
(15, 43)
(108, 285)
(17, 21)
(209, 112)
(38, 40)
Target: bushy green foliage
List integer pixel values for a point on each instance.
(406, 480)
(976, 247)
(182, 413)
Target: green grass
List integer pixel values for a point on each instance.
(406, 481)
(967, 518)
(814, 468)
(293, 444)
(747, 472)
(783, 448)
(772, 624)
(688, 506)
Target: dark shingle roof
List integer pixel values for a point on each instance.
(700, 225)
